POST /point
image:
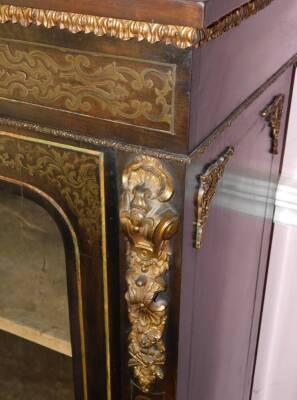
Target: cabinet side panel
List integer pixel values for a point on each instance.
(215, 9)
(223, 282)
(232, 67)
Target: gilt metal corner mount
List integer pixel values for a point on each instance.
(208, 182)
(273, 114)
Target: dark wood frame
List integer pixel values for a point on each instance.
(87, 285)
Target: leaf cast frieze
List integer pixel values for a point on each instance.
(180, 36)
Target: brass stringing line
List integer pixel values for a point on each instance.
(104, 257)
(116, 90)
(89, 52)
(78, 271)
(126, 123)
(105, 274)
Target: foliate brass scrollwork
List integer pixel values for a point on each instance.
(273, 114)
(149, 222)
(207, 189)
(73, 174)
(73, 177)
(88, 83)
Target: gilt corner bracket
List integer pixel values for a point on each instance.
(208, 182)
(273, 114)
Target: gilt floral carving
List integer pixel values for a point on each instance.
(149, 222)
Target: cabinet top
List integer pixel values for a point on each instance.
(170, 12)
(183, 23)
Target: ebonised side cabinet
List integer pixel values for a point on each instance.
(140, 147)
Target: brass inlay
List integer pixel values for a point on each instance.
(180, 36)
(149, 222)
(273, 114)
(208, 182)
(73, 173)
(98, 85)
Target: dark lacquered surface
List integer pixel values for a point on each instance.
(223, 282)
(215, 9)
(222, 285)
(231, 68)
(137, 54)
(178, 12)
(32, 372)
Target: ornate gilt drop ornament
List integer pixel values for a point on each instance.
(273, 114)
(207, 189)
(149, 222)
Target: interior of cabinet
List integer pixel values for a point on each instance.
(32, 372)
(34, 315)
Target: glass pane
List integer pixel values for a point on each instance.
(35, 349)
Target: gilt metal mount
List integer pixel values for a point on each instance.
(207, 189)
(273, 115)
(149, 222)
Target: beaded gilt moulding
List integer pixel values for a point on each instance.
(179, 36)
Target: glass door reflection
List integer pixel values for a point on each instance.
(35, 347)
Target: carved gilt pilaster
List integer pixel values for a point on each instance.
(273, 114)
(149, 222)
(207, 189)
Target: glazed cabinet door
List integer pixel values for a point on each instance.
(56, 278)
(230, 190)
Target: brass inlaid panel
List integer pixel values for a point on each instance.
(112, 88)
(73, 179)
